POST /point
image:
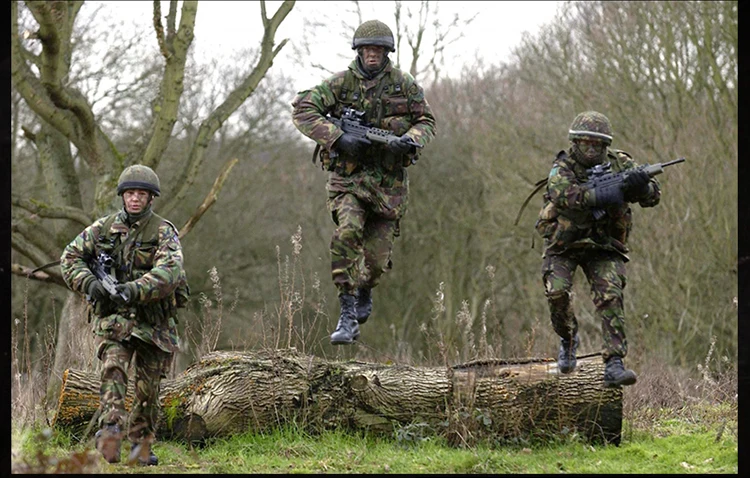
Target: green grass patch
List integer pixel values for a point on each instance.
(674, 444)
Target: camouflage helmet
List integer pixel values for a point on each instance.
(373, 32)
(138, 176)
(591, 125)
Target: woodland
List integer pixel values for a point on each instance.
(88, 100)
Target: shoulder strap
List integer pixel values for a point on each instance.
(131, 237)
(349, 91)
(106, 227)
(150, 232)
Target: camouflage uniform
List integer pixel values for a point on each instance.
(367, 193)
(145, 327)
(573, 238)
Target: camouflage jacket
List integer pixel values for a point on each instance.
(566, 220)
(154, 263)
(392, 100)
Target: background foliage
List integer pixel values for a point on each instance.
(466, 280)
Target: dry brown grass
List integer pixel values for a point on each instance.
(699, 396)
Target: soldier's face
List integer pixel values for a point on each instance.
(590, 149)
(136, 200)
(372, 56)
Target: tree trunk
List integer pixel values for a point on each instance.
(75, 343)
(233, 392)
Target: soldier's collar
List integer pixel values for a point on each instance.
(133, 219)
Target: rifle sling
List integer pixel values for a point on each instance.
(537, 187)
(315, 153)
(45, 266)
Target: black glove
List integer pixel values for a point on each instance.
(348, 143)
(600, 197)
(399, 145)
(636, 183)
(126, 293)
(96, 290)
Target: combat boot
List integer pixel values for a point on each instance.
(347, 329)
(143, 453)
(108, 442)
(615, 373)
(364, 304)
(566, 357)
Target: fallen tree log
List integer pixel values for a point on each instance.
(234, 392)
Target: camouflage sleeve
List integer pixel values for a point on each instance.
(423, 127)
(564, 189)
(310, 109)
(165, 274)
(654, 189)
(75, 270)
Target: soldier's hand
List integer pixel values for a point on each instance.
(351, 144)
(126, 293)
(636, 183)
(600, 197)
(399, 145)
(96, 291)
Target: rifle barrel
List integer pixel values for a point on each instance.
(679, 160)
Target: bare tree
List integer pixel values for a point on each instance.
(420, 36)
(69, 130)
(429, 28)
(666, 77)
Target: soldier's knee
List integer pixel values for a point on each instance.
(114, 374)
(349, 234)
(146, 389)
(558, 299)
(608, 301)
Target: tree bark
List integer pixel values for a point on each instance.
(75, 343)
(234, 392)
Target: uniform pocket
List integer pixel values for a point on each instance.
(143, 258)
(113, 327)
(395, 106)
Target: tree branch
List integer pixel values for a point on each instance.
(37, 236)
(65, 109)
(210, 198)
(29, 86)
(233, 101)
(55, 27)
(48, 277)
(22, 246)
(172, 86)
(160, 30)
(171, 19)
(54, 212)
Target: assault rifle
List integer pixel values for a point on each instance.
(100, 266)
(351, 122)
(605, 182)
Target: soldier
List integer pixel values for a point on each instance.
(140, 319)
(368, 183)
(573, 238)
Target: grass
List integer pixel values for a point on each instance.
(675, 445)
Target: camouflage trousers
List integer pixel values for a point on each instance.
(361, 244)
(605, 272)
(151, 365)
